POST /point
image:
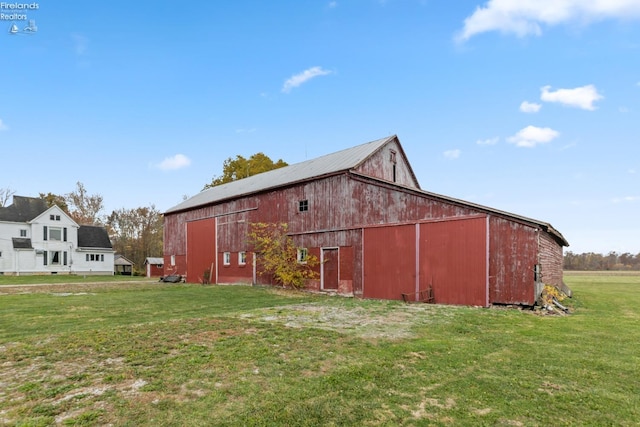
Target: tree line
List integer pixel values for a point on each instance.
(591, 261)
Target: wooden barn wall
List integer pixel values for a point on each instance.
(201, 249)
(235, 272)
(513, 252)
(453, 261)
(389, 261)
(380, 166)
(550, 259)
(339, 206)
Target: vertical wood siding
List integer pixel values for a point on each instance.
(513, 255)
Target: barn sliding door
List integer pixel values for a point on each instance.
(201, 249)
(450, 256)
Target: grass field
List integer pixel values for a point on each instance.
(185, 355)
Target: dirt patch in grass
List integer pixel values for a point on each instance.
(388, 321)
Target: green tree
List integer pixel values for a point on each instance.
(238, 168)
(279, 256)
(57, 200)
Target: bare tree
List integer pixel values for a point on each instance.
(84, 208)
(5, 195)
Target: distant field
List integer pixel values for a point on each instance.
(172, 354)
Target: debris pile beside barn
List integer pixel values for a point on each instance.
(550, 301)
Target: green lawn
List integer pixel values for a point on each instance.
(184, 355)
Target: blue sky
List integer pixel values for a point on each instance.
(529, 107)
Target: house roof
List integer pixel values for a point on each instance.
(92, 236)
(121, 260)
(23, 209)
(21, 243)
(154, 260)
(320, 166)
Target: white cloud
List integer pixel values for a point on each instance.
(532, 136)
(80, 43)
(333, 4)
(452, 154)
(530, 107)
(297, 79)
(526, 17)
(623, 109)
(632, 171)
(3, 126)
(490, 141)
(178, 161)
(581, 97)
(626, 199)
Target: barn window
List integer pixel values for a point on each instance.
(226, 258)
(303, 254)
(303, 205)
(173, 260)
(242, 258)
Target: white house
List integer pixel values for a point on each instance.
(37, 239)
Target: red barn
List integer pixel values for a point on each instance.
(362, 212)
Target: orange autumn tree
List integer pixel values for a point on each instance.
(279, 256)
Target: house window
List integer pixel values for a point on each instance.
(173, 260)
(303, 205)
(242, 258)
(226, 258)
(303, 254)
(54, 217)
(55, 257)
(55, 233)
(23, 233)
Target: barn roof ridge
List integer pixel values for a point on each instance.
(339, 161)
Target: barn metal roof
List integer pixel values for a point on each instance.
(328, 164)
(154, 260)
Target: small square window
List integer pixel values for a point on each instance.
(23, 233)
(57, 217)
(303, 205)
(242, 258)
(226, 258)
(52, 217)
(303, 253)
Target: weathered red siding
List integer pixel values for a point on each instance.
(550, 259)
(346, 210)
(201, 249)
(453, 260)
(389, 261)
(235, 272)
(513, 254)
(381, 165)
